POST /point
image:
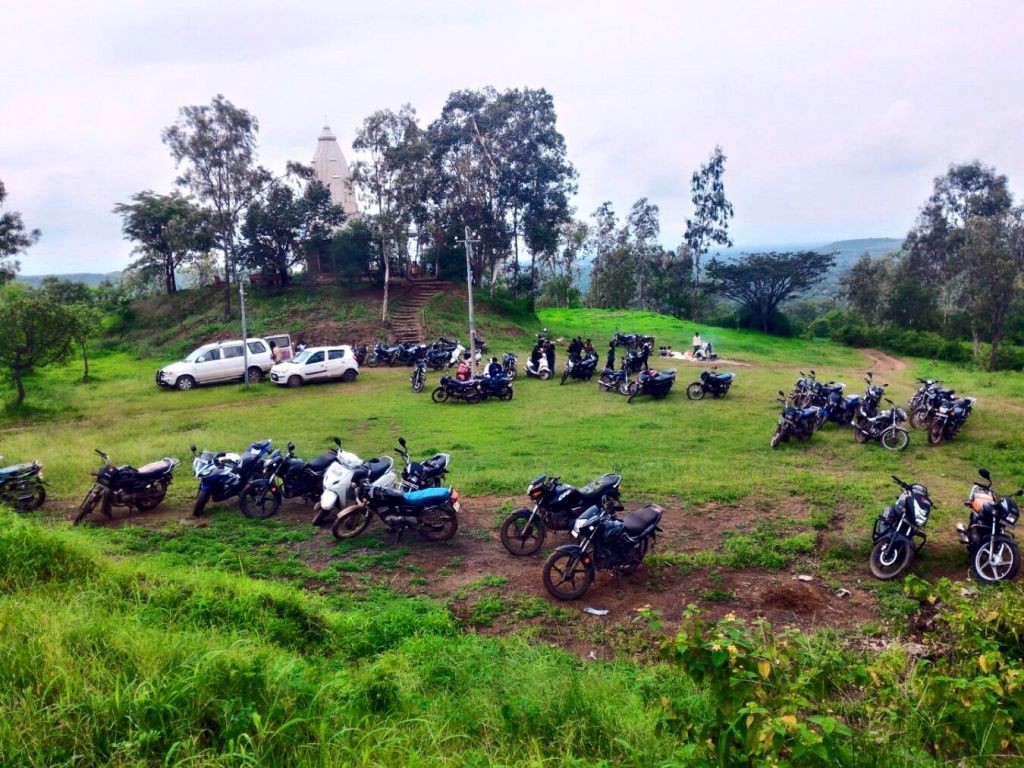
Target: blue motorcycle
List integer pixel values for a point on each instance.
(223, 475)
(838, 409)
(794, 422)
(432, 512)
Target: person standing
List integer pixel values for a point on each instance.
(697, 343)
(610, 362)
(549, 351)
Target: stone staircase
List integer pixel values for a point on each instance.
(407, 316)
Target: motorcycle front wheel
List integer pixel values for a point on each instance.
(521, 536)
(89, 503)
(438, 523)
(998, 559)
(936, 433)
(566, 576)
(695, 391)
(919, 418)
(895, 439)
(27, 498)
(439, 395)
(201, 498)
(417, 386)
(152, 499)
(373, 361)
(351, 521)
(776, 438)
(890, 558)
(260, 500)
(859, 435)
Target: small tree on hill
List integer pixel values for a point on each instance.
(710, 223)
(14, 239)
(35, 331)
(762, 281)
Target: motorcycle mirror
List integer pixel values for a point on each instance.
(337, 441)
(401, 442)
(291, 446)
(985, 473)
(781, 393)
(192, 447)
(813, 373)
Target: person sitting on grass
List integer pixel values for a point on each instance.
(465, 369)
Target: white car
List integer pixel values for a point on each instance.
(219, 361)
(317, 364)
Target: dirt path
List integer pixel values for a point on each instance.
(883, 364)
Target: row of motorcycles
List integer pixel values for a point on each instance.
(472, 390)
(438, 355)
(898, 533)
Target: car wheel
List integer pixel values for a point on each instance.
(185, 383)
(349, 375)
(295, 381)
(255, 375)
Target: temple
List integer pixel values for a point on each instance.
(331, 169)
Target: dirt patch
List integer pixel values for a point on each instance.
(883, 364)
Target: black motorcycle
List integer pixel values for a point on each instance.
(417, 475)
(803, 389)
(605, 542)
(654, 383)
(383, 354)
(993, 550)
(451, 388)
(479, 344)
(437, 359)
(22, 486)
(284, 476)
(711, 383)
(580, 369)
(359, 353)
(510, 365)
(418, 377)
(635, 360)
(949, 419)
(795, 422)
(556, 507)
(926, 400)
(223, 475)
(432, 512)
(873, 395)
(884, 426)
(633, 340)
(125, 486)
(837, 408)
(898, 534)
(618, 381)
(499, 387)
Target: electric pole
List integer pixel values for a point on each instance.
(245, 340)
(468, 242)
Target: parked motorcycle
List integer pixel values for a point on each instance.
(510, 365)
(418, 377)
(993, 550)
(925, 400)
(884, 427)
(223, 475)
(450, 388)
(712, 383)
(431, 512)
(496, 386)
(22, 486)
(898, 531)
(619, 381)
(803, 388)
(873, 395)
(556, 507)
(635, 360)
(383, 354)
(125, 486)
(284, 476)
(359, 353)
(417, 475)
(949, 419)
(581, 369)
(437, 358)
(605, 542)
(654, 383)
(344, 474)
(539, 370)
(479, 344)
(794, 422)
(837, 408)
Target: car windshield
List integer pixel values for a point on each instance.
(302, 357)
(195, 355)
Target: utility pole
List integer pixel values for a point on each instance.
(245, 340)
(468, 242)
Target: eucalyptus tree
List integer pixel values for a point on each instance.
(712, 211)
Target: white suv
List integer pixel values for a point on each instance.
(220, 361)
(317, 364)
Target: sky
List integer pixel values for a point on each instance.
(835, 117)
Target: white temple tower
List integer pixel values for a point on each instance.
(331, 169)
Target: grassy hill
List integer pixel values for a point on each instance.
(157, 640)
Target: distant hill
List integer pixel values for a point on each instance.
(89, 278)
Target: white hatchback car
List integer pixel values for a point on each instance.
(317, 364)
(220, 361)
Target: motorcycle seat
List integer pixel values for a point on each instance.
(639, 521)
(155, 467)
(376, 468)
(724, 377)
(321, 462)
(595, 489)
(428, 497)
(808, 413)
(15, 469)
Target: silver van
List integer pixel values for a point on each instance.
(221, 361)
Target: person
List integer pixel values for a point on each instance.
(574, 348)
(494, 370)
(275, 356)
(465, 370)
(708, 351)
(610, 363)
(537, 353)
(644, 354)
(549, 351)
(588, 349)
(697, 343)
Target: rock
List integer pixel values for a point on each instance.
(842, 592)
(804, 577)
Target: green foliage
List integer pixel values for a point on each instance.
(35, 331)
(14, 239)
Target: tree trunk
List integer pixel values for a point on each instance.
(975, 343)
(996, 339)
(764, 321)
(533, 279)
(515, 264)
(696, 286)
(85, 361)
(228, 256)
(387, 279)
(16, 375)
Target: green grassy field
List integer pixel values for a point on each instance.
(173, 644)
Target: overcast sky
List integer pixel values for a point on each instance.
(835, 117)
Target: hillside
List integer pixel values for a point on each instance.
(91, 279)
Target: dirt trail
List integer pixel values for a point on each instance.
(882, 363)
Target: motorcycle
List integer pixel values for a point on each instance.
(22, 486)
(711, 382)
(284, 476)
(605, 542)
(610, 379)
(556, 507)
(418, 475)
(923, 408)
(580, 369)
(949, 419)
(432, 512)
(437, 359)
(479, 344)
(873, 395)
(223, 475)
(509, 364)
(898, 529)
(884, 427)
(383, 355)
(838, 409)
(633, 340)
(451, 388)
(498, 386)
(635, 361)
(992, 548)
(803, 388)
(125, 486)
(418, 377)
(359, 353)
(794, 422)
(539, 370)
(654, 383)
(342, 477)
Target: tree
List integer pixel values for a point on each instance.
(67, 291)
(35, 331)
(867, 286)
(642, 236)
(217, 146)
(86, 321)
(170, 232)
(351, 250)
(762, 281)
(14, 239)
(710, 222)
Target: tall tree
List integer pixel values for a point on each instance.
(35, 331)
(612, 274)
(169, 231)
(867, 286)
(643, 230)
(216, 144)
(762, 281)
(14, 239)
(712, 211)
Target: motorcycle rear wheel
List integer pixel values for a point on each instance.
(566, 576)
(89, 503)
(859, 436)
(25, 499)
(520, 536)
(153, 498)
(998, 559)
(890, 558)
(438, 523)
(627, 387)
(695, 391)
(439, 395)
(565, 375)
(373, 361)
(936, 433)
(895, 439)
(256, 508)
(351, 521)
(544, 375)
(919, 418)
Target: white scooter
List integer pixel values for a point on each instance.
(347, 469)
(540, 370)
(457, 355)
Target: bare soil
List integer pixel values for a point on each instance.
(883, 364)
